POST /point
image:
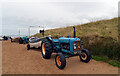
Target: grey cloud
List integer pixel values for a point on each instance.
(51, 14)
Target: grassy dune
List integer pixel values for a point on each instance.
(100, 38)
(103, 28)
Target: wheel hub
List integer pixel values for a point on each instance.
(84, 56)
(58, 60)
(43, 48)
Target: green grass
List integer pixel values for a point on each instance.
(100, 58)
(106, 59)
(101, 28)
(114, 63)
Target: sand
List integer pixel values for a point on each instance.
(16, 59)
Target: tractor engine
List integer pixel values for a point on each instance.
(65, 46)
(69, 45)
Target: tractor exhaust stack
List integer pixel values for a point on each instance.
(42, 31)
(74, 33)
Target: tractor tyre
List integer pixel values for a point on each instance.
(60, 60)
(28, 46)
(46, 48)
(85, 56)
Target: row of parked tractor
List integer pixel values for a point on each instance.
(4, 38)
(63, 47)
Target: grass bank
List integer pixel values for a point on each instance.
(106, 59)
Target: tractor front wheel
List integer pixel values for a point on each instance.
(60, 60)
(85, 56)
(28, 46)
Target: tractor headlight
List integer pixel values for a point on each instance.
(74, 46)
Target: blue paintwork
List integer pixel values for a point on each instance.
(69, 40)
(56, 45)
(26, 39)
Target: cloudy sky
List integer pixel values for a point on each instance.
(20, 14)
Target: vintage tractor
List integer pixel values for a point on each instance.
(23, 40)
(64, 47)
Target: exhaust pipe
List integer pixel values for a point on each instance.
(42, 31)
(74, 33)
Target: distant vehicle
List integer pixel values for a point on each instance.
(64, 47)
(11, 39)
(15, 39)
(1, 38)
(5, 37)
(23, 40)
(35, 42)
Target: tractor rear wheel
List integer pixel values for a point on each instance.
(20, 41)
(60, 60)
(85, 56)
(46, 49)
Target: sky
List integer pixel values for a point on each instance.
(18, 15)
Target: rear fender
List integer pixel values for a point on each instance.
(50, 39)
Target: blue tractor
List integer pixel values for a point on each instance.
(64, 47)
(24, 40)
